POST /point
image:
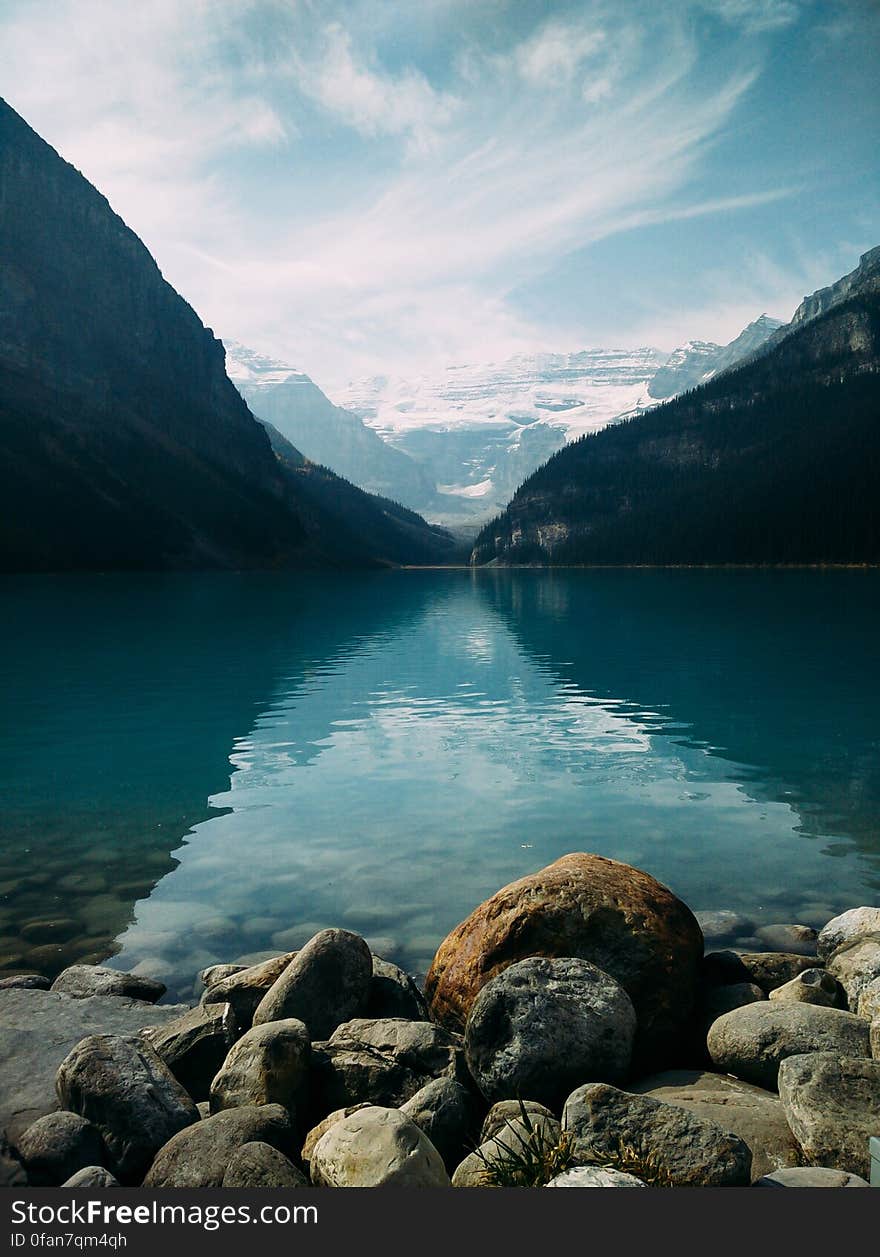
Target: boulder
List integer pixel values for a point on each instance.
(81, 981)
(216, 973)
(382, 1062)
(501, 1155)
(663, 1144)
(751, 1042)
(616, 917)
(327, 983)
(810, 1176)
(244, 988)
(753, 1114)
(594, 1176)
(38, 1029)
(766, 969)
(832, 1103)
(813, 986)
(394, 993)
(194, 1045)
(722, 925)
(449, 1114)
(869, 1000)
(376, 1147)
(268, 1065)
(25, 982)
(856, 964)
(123, 1087)
(92, 1178)
(260, 1165)
(323, 1126)
(57, 1146)
(846, 927)
(540, 1027)
(797, 940)
(507, 1111)
(199, 1156)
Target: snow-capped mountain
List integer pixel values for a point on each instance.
(699, 360)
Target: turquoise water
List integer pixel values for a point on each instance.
(203, 768)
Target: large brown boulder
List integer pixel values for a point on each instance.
(617, 917)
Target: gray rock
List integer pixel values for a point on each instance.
(25, 982)
(57, 1146)
(260, 1165)
(856, 964)
(869, 1000)
(394, 993)
(92, 1178)
(766, 969)
(216, 973)
(753, 1114)
(846, 927)
(449, 1114)
(810, 1176)
(322, 1127)
(832, 1103)
(382, 1062)
(507, 1111)
(39, 1028)
(195, 1045)
(199, 1156)
(12, 1172)
(268, 1065)
(515, 1137)
(813, 986)
(722, 925)
(244, 989)
(797, 940)
(715, 1001)
(751, 1042)
(327, 983)
(594, 1176)
(661, 1143)
(81, 981)
(875, 1038)
(376, 1147)
(540, 1027)
(128, 1092)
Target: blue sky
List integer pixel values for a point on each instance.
(371, 187)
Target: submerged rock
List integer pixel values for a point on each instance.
(540, 1027)
(797, 940)
(80, 981)
(128, 1092)
(200, 1155)
(327, 983)
(376, 1147)
(616, 917)
(832, 1103)
(752, 1042)
(662, 1143)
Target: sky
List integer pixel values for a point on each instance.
(385, 187)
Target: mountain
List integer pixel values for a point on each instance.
(699, 360)
(327, 434)
(774, 461)
(123, 442)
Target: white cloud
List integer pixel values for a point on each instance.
(756, 16)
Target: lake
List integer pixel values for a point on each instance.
(205, 768)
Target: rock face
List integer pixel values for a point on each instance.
(38, 1029)
(662, 1143)
(594, 1176)
(540, 1027)
(244, 988)
(200, 1155)
(194, 1046)
(387, 1060)
(584, 906)
(126, 1090)
(753, 1114)
(80, 981)
(752, 1042)
(376, 1147)
(326, 983)
(832, 1103)
(260, 1165)
(268, 1065)
(856, 964)
(813, 986)
(57, 1146)
(846, 927)
(448, 1113)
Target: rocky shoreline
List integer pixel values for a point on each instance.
(576, 1030)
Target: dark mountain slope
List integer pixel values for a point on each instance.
(122, 441)
(777, 461)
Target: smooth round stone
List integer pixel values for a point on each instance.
(57, 1146)
(856, 964)
(810, 1176)
(376, 1147)
(268, 1065)
(594, 1176)
(326, 984)
(260, 1165)
(813, 986)
(846, 927)
(751, 1042)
